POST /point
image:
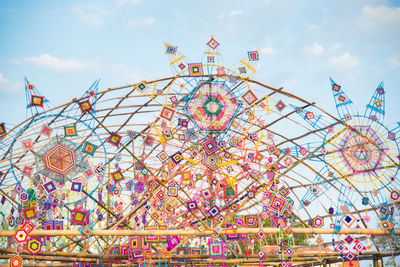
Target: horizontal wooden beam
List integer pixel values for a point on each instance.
(184, 256)
(43, 265)
(49, 258)
(183, 232)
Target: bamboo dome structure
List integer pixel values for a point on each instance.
(207, 167)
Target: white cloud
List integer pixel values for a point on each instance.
(143, 22)
(50, 62)
(7, 86)
(344, 61)
(235, 12)
(90, 14)
(267, 50)
(337, 46)
(393, 61)
(382, 14)
(124, 3)
(15, 61)
(312, 27)
(314, 50)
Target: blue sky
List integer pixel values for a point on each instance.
(63, 46)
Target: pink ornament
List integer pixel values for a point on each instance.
(366, 219)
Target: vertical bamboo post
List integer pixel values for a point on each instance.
(108, 196)
(133, 157)
(391, 249)
(375, 260)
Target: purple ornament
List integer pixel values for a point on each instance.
(172, 242)
(139, 187)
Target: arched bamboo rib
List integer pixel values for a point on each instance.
(290, 95)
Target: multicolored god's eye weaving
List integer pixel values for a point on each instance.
(195, 169)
